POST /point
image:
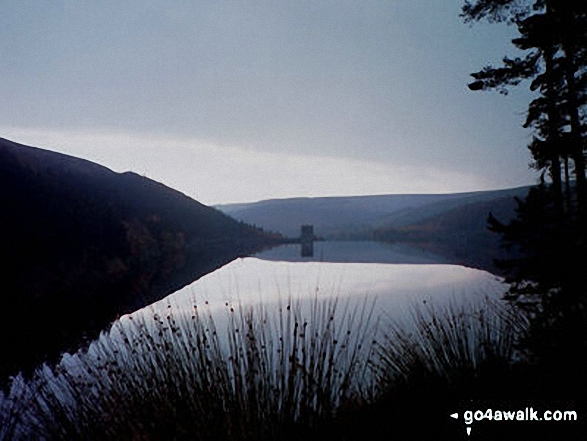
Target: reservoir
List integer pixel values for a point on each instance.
(345, 292)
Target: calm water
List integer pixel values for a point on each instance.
(354, 252)
(279, 284)
(395, 278)
(391, 280)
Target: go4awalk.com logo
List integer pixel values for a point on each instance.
(526, 414)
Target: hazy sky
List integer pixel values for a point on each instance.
(232, 101)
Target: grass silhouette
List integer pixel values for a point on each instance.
(176, 375)
(286, 371)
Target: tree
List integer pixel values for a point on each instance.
(553, 35)
(547, 239)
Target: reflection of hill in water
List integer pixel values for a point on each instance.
(356, 252)
(82, 245)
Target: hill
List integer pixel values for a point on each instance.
(81, 245)
(357, 217)
(451, 225)
(458, 233)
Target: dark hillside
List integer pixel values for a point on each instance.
(81, 244)
(356, 217)
(451, 225)
(331, 216)
(459, 233)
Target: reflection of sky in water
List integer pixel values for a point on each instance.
(394, 287)
(354, 252)
(135, 341)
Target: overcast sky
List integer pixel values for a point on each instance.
(236, 101)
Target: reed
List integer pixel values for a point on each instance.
(438, 363)
(451, 341)
(176, 375)
(271, 372)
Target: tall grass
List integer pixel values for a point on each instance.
(176, 376)
(451, 340)
(262, 373)
(440, 362)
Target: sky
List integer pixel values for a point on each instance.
(239, 101)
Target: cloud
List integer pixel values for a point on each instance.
(382, 83)
(215, 174)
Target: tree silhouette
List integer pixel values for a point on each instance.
(547, 239)
(553, 34)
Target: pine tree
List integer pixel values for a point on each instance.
(553, 35)
(547, 239)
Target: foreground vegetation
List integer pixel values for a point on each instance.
(176, 376)
(289, 372)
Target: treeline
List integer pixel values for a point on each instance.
(548, 235)
(553, 37)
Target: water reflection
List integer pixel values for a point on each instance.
(353, 252)
(253, 280)
(307, 249)
(164, 348)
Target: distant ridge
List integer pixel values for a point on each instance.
(81, 244)
(357, 216)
